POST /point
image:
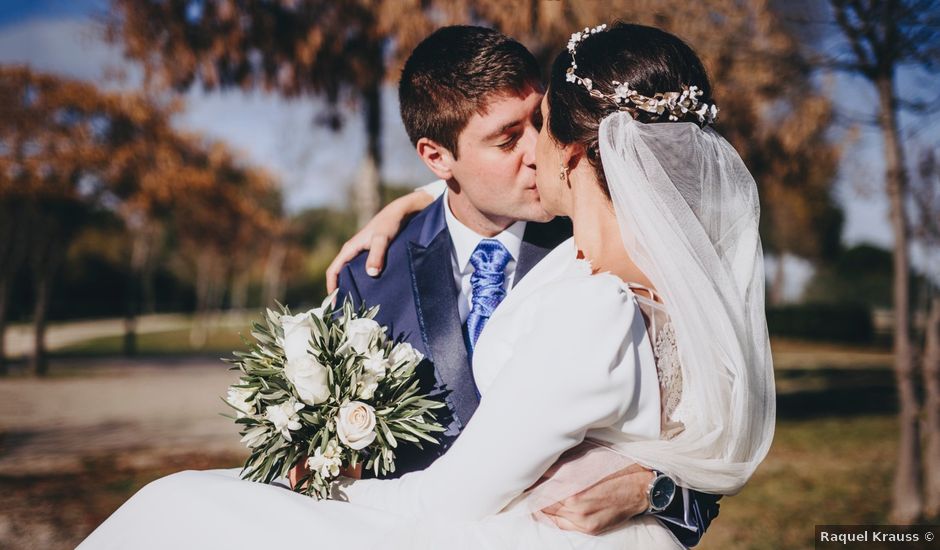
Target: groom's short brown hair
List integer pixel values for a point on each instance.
(453, 73)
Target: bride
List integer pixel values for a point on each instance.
(641, 340)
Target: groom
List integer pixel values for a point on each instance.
(470, 103)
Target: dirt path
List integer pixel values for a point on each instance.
(144, 410)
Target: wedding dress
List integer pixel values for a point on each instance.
(565, 357)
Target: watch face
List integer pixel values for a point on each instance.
(662, 492)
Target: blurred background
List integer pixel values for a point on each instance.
(170, 167)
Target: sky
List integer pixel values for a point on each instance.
(316, 166)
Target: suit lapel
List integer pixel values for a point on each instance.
(436, 299)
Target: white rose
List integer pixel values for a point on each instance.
(284, 417)
(355, 425)
(360, 334)
(403, 353)
(376, 365)
(296, 334)
(327, 462)
(368, 383)
(309, 378)
(240, 398)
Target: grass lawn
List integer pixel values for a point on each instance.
(219, 341)
(822, 471)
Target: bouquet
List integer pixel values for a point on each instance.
(330, 387)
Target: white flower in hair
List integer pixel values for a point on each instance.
(621, 92)
(673, 105)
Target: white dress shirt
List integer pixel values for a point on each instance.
(465, 242)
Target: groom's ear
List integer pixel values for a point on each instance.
(436, 157)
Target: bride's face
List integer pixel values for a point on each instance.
(548, 157)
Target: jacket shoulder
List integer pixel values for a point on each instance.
(398, 248)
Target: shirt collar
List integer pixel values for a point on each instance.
(466, 240)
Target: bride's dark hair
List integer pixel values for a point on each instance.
(650, 60)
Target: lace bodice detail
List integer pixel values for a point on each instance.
(668, 362)
(669, 372)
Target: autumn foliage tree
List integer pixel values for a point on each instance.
(70, 151)
(54, 148)
(228, 222)
(170, 183)
(335, 50)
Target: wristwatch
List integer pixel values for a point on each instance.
(660, 492)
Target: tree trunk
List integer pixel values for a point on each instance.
(907, 503)
(12, 251)
(148, 295)
(240, 283)
(39, 363)
(198, 332)
(141, 249)
(367, 194)
(272, 274)
(931, 373)
(48, 250)
(130, 331)
(4, 303)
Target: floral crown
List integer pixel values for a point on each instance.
(673, 104)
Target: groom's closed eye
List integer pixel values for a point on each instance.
(507, 135)
(509, 144)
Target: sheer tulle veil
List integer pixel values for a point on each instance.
(688, 212)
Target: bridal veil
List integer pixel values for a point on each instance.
(688, 211)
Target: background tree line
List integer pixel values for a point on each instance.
(77, 160)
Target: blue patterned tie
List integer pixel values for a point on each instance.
(489, 261)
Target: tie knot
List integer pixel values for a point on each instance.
(490, 256)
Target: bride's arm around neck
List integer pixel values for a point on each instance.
(581, 363)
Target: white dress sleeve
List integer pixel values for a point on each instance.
(575, 369)
(436, 188)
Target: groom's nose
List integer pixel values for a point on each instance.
(527, 145)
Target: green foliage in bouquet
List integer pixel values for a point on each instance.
(328, 386)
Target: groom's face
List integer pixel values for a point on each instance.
(494, 170)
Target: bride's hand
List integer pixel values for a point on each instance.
(297, 472)
(604, 505)
(376, 236)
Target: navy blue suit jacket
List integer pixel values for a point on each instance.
(418, 297)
